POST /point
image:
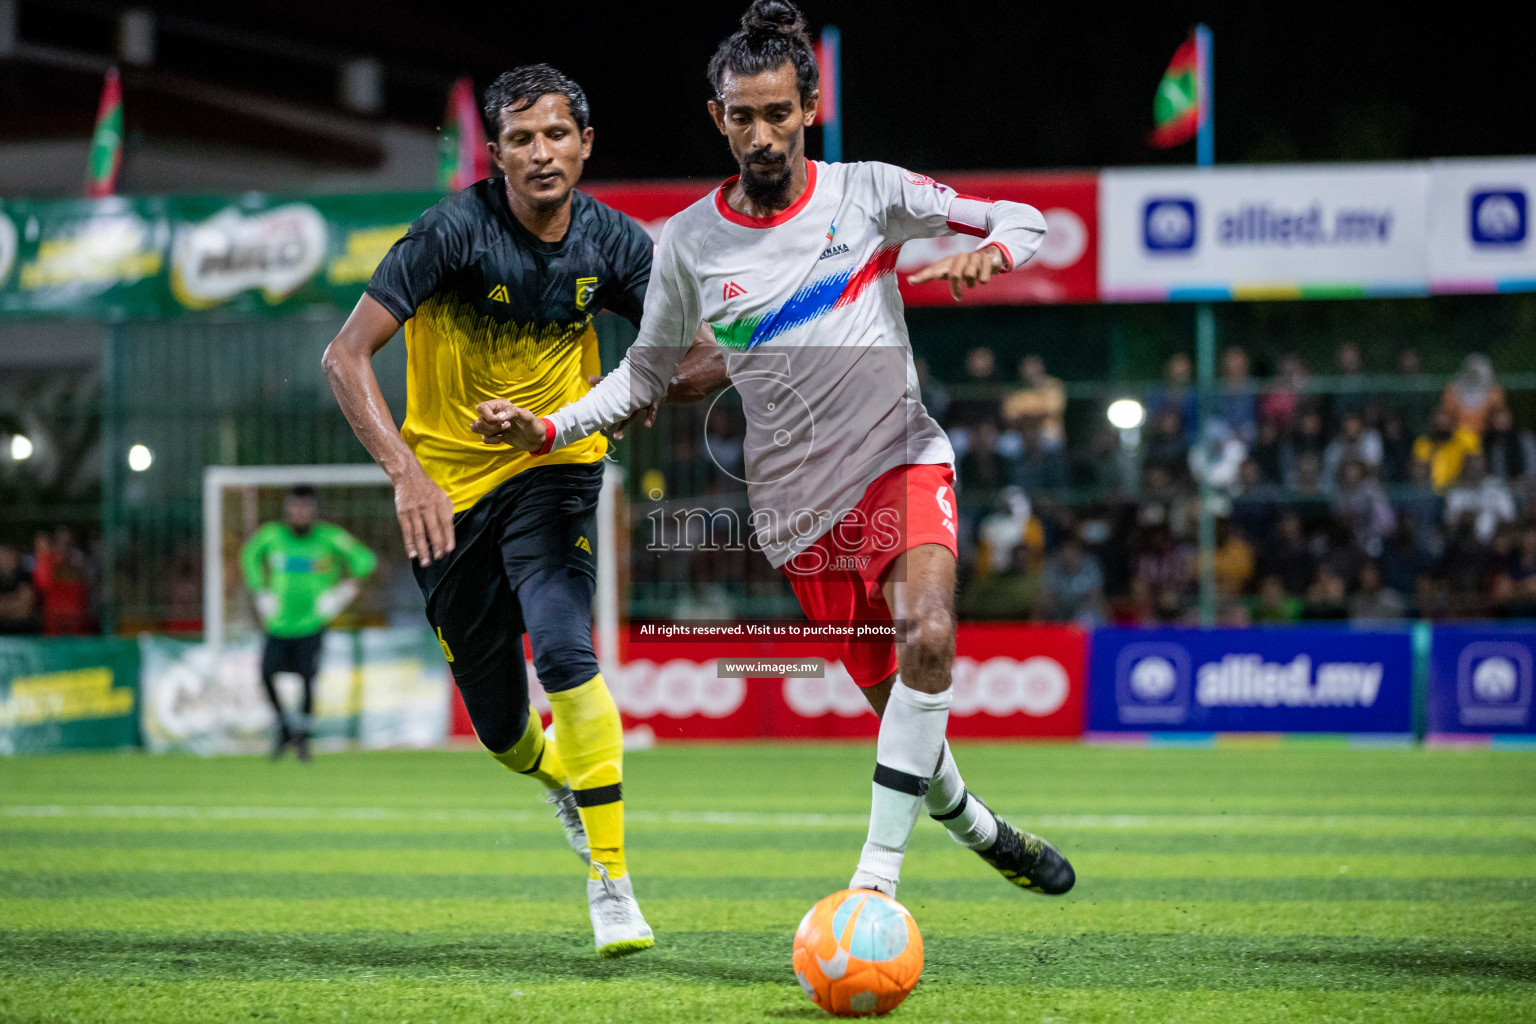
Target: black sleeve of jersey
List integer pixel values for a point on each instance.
(436, 245)
(631, 258)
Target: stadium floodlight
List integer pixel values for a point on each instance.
(1126, 414)
(223, 527)
(21, 447)
(140, 458)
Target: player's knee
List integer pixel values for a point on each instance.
(928, 651)
(495, 710)
(565, 666)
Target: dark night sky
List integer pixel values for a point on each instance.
(977, 85)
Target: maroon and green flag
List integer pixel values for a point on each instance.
(461, 149)
(106, 158)
(1176, 107)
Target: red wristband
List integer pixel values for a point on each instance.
(549, 437)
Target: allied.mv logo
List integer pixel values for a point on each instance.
(1169, 224)
(1498, 217)
(1494, 683)
(1152, 684)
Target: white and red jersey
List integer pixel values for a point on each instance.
(805, 304)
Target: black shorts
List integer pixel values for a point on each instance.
(299, 654)
(542, 519)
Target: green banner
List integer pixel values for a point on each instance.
(376, 688)
(162, 256)
(68, 694)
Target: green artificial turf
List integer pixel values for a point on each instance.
(1295, 883)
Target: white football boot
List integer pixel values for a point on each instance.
(566, 811)
(618, 929)
(570, 820)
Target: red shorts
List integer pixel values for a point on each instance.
(837, 579)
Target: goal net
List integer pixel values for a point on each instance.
(359, 498)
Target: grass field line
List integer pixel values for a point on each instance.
(764, 819)
(1479, 920)
(643, 1000)
(765, 863)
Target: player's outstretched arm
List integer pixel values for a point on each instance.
(424, 510)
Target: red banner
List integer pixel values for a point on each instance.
(1066, 269)
(1010, 681)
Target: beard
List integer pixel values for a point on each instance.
(766, 181)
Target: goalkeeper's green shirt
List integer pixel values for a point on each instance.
(297, 570)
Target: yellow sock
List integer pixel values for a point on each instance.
(591, 740)
(531, 755)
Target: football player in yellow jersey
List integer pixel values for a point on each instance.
(497, 286)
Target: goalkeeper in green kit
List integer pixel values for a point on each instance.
(295, 571)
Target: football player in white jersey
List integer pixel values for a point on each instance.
(850, 481)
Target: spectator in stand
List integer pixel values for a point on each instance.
(983, 467)
(1510, 453)
(18, 598)
(1444, 447)
(1307, 482)
(1405, 559)
(1233, 561)
(1013, 525)
(1396, 450)
(1464, 574)
(1473, 394)
(1004, 596)
(1352, 399)
(1039, 404)
(979, 404)
(1413, 397)
(1420, 505)
(1270, 453)
(1165, 568)
(1284, 400)
(1362, 507)
(1253, 509)
(1326, 596)
(1480, 500)
(1273, 604)
(1356, 442)
(1177, 395)
(1039, 466)
(1373, 601)
(1235, 403)
(1287, 556)
(1218, 458)
(1515, 586)
(1307, 439)
(1166, 448)
(1072, 585)
(934, 394)
(59, 574)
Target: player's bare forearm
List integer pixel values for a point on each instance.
(964, 270)
(702, 371)
(348, 366)
(424, 511)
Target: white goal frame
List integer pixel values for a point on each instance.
(217, 479)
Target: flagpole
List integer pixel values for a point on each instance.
(832, 132)
(1205, 335)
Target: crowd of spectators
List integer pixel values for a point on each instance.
(1333, 499)
(49, 589)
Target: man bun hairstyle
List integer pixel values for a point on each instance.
(522, 87)
(772, 34)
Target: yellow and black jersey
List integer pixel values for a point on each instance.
(490, 311)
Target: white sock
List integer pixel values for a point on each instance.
(951, 805)
(911, 739)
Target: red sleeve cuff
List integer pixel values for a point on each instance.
(549, 437)
(1007, 256)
